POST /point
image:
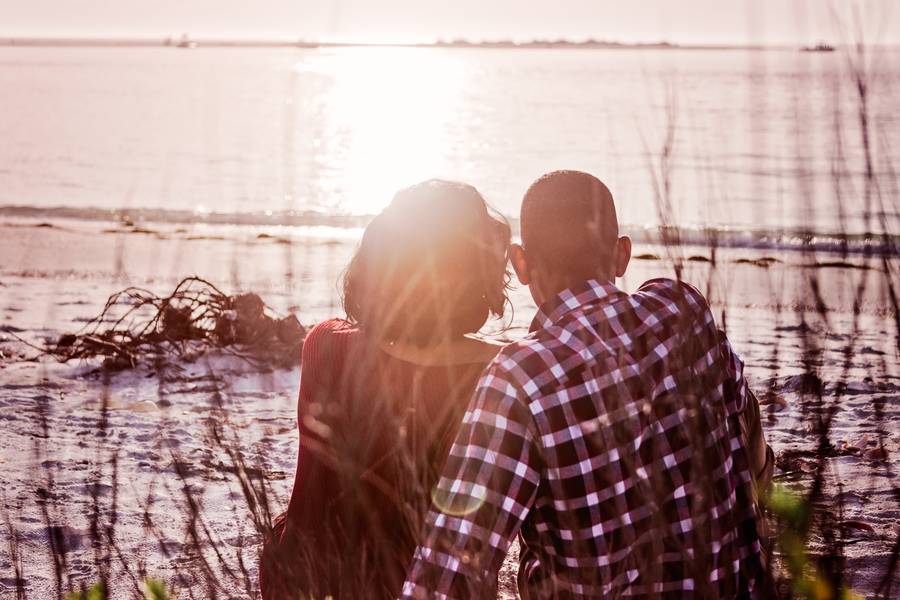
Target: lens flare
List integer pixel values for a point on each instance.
(461, 500)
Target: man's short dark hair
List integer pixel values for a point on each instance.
(569, 224)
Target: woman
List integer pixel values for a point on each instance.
(383, 391)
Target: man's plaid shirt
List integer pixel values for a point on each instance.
(609, 438)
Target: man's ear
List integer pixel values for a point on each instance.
(519, 263)
(623, 255)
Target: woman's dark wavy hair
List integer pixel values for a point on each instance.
(431, 265)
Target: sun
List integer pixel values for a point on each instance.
(387, 120)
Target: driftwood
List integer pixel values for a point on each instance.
(136, 324)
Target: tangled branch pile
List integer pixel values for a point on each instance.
(136, 324)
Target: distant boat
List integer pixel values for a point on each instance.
(185, 42)
(820, 47)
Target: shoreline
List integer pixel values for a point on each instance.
(147, 220)
(308, 261)
(193, 43)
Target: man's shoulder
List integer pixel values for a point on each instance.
(526, 346)
(665, 286)
(677, 295)
(529, 363)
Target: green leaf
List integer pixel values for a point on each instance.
(154, 589)
(850, 594)
(786, 504)
(97, 592)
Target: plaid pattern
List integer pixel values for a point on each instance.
(608, 438)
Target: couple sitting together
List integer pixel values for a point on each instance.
(618, 441)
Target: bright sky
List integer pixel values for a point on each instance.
(679, 21)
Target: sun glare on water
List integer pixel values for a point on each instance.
(386, 114)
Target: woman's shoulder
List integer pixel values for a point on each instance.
(330, 327)
(328, 338)
(482, 351)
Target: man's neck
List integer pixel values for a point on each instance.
(556, 286)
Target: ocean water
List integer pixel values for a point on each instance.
(758, 140)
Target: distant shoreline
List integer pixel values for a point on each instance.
(780, 239)
(190, 43)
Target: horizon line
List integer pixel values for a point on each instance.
(534, 43)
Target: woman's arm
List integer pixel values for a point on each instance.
(321, 362)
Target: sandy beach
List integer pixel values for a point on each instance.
(125, 472)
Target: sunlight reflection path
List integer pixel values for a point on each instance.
(386, 120)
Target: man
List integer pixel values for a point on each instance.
(619, 438)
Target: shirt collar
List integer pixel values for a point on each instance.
(570, 299)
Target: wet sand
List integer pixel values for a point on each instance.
(55, 276)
